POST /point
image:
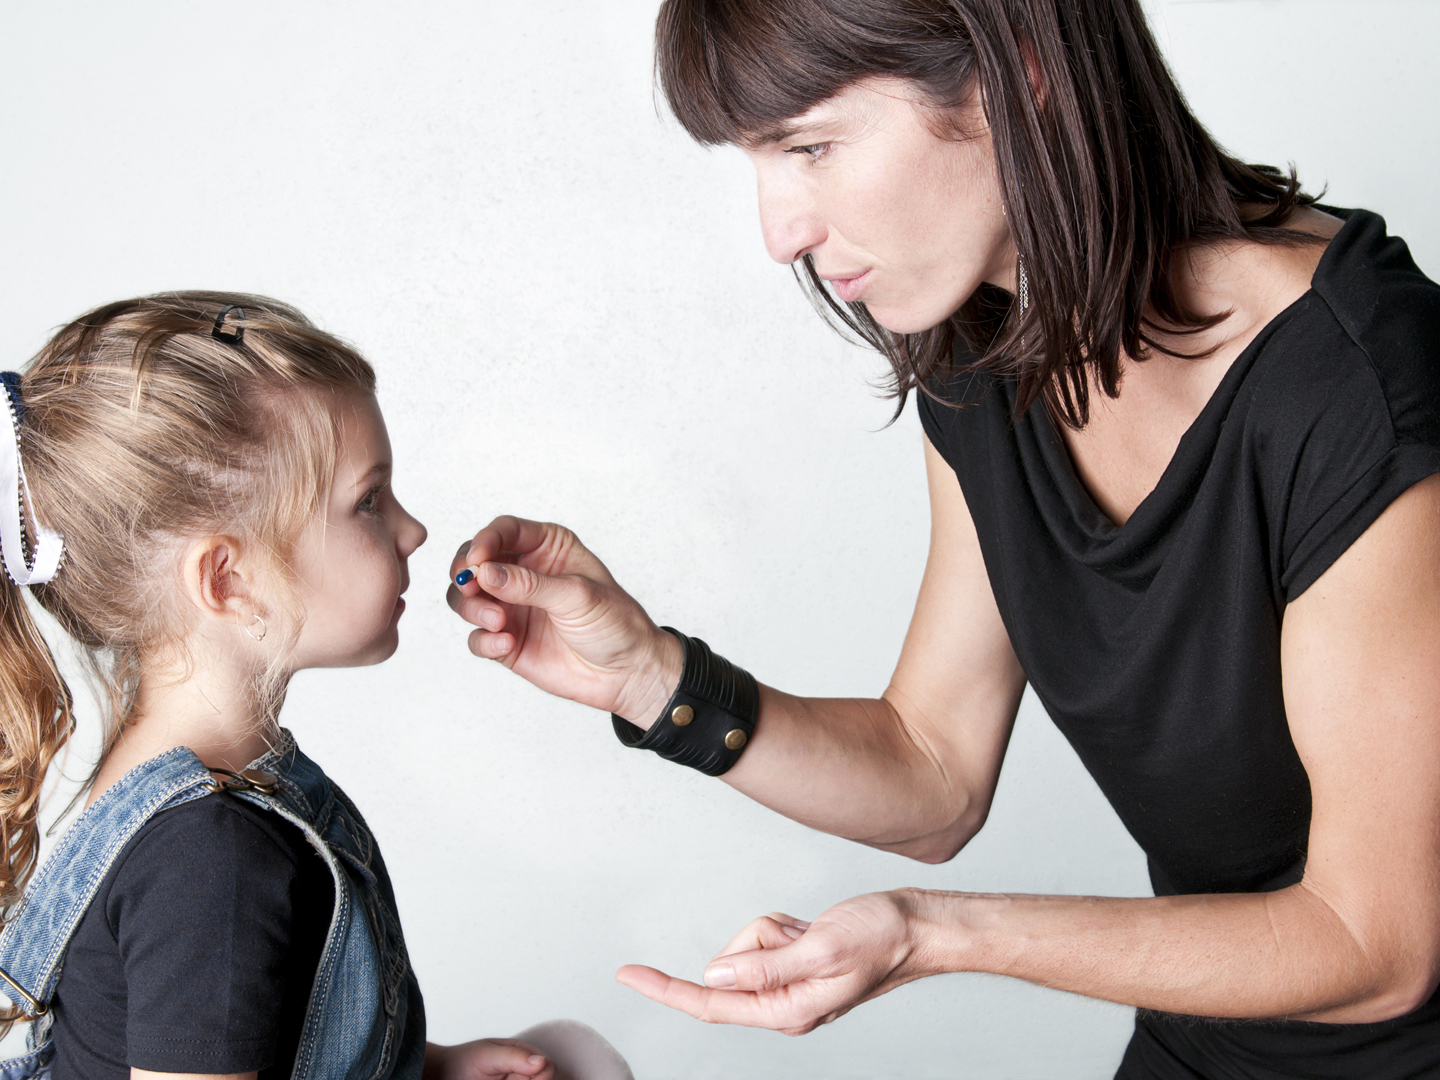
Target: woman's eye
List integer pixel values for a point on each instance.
(810, 150)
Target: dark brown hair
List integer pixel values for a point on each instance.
(1103, 182)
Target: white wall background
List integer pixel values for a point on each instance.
(573, 318)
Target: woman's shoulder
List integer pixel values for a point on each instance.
(1368, 276)
(1383, 316)
(1340, 411)
(960, 401)
(1361, 346)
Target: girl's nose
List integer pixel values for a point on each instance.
(412, 533)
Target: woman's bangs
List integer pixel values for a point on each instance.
(732, 71)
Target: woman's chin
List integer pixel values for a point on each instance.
(908, 319)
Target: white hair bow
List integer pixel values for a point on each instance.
(14, 497)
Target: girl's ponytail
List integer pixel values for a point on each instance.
(35, 722)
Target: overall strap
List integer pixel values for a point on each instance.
(33, 942)
(365, 1019)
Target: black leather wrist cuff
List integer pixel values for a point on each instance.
(710, 718)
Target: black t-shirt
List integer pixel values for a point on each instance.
(1155, 646)
(199, 950)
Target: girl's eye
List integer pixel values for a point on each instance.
(811, 150)
(370, 504)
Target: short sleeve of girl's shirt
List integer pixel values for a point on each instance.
(1346, 414)
(204, 916)
(199, 951)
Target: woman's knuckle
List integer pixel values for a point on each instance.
(768, 975)
(585, 593)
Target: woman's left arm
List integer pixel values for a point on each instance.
(1357, 940)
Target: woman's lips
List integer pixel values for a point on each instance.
(850, 288)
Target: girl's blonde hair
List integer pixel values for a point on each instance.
(143, 428)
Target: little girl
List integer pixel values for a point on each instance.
(197, 487)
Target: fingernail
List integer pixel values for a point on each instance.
(495, 575)
(536, 1059)
(720, 976)
(792, 931)
(802, 925)
(464, 577)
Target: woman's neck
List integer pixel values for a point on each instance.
(1121, 453)
(216, 709)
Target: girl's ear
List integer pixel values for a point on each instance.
(213, 581)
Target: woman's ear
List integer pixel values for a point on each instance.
(1039, 85)
(213, 580)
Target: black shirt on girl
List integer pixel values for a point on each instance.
(1155, 646)
(198, 953)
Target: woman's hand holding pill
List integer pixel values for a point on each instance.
(549, 610)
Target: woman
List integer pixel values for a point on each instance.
(1182, 432)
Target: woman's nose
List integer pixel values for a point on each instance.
(788, 219)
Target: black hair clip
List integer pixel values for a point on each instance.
(239, 333)
(11, 381)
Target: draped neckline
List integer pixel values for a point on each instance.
(1185, 470)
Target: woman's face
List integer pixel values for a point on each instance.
(894, 215)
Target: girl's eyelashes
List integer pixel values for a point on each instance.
(370, 504)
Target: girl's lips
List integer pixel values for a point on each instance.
(849, 289)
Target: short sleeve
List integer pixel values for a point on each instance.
(1335, 507)
(202, 911)
(1356, 414)
(1335, 458)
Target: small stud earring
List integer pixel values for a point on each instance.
(251, 629)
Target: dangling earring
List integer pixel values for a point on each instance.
(251, 629)
(1022, 289)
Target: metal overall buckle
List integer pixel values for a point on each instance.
(245, 780)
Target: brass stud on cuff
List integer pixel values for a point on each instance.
(681, 715)
(735, 738)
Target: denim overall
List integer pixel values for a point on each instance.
(366, 1019)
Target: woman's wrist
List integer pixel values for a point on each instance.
(653, 681)
(943, 930)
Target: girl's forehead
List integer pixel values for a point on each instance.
(360, 425)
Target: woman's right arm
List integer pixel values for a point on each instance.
(912, 771)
